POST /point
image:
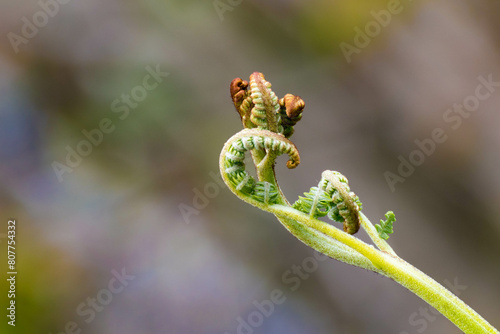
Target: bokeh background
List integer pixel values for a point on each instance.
(118, 210)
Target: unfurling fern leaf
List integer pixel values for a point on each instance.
(385, 226)
(332, 198)
(345, 204)
(315, 203)
(233, 160)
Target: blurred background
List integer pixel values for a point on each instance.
(112, 118)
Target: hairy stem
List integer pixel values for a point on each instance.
(402, 272)
(373, 234)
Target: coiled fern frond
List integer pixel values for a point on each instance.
(268, 124)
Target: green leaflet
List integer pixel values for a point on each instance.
(266, 193)
(316, 202)
(385, 227)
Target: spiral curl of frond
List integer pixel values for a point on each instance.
(233, 160)
(346, 205)
(333, 198)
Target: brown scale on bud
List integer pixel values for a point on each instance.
(291, 112)
(293, 105)
(238, 89)
(239, 92)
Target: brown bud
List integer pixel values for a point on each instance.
(238, 90)
(293, 105)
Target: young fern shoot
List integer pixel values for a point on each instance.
(268, 124)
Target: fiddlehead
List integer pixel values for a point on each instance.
(260, 108)
(268, 122)
(233, 164)
(291, 108)
(271, 120)
(333, 198)
(346, 205)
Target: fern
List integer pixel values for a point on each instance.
(385, 226)
(269, 123)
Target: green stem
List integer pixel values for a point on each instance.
(373, 234)
(264, 163)
(402, 272)
(326, 245)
